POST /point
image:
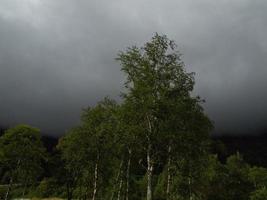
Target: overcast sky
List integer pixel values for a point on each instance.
(57, 56)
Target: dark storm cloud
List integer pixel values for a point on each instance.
(57, 56)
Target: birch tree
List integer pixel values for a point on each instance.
(152, 72)
(22, 153)
(88, 149)
(128, 139)
(159, 89)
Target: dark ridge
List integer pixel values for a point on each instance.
(252, 147)
(3, 129)
(49, 142)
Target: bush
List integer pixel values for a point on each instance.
(260, 194)
(48, 187)
(2, 191)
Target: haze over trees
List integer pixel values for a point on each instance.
(154, 144)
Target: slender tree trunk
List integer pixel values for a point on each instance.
(149, 161)
(169, 172)
(190, 189)
(149, 173)
(24, 189)
(9, 188)
(117, 179)
(69, 193)
(120, 187)
(11, 182)
(96, 178)
(128, 174)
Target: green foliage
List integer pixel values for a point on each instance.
(156, 141)
(2, 191)
(89, 146)
(48, 187)
(170, 120)
(22, 154)
(230, 181)
(260, 194)
(258, 176)
(238, 185)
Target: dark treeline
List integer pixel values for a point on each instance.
(252, 147)
(155, 144)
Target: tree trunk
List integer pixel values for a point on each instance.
(149, 173)
(149, 161)
(8, 189)
(169, 172)
(128, 174)
(69, 191)
(120, 186)
(190, 189)
(96, 178)
(117, 179)
(11, 182)
(24, 189)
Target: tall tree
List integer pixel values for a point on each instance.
(74, 152)
(127, 138)
(157, 82)
(22, 154)
(88, 149)
(238, 185)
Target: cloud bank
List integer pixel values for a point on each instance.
(57, 56)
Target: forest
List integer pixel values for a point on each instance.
(154, 144)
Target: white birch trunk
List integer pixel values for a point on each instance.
(149, 161)
(117, 179)
(8, 189)
(119, 192)
(149, 175)
(169, 173)
(190, 189)
(128, 174)
(96, 178)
